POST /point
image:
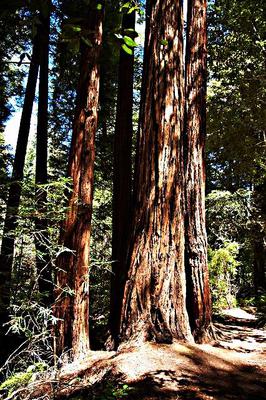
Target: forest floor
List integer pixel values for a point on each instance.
(231, 368)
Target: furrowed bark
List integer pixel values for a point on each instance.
(72, 289)
(122, 181)
(154, 305)
(198, 292)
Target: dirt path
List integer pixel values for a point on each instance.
(233, 368)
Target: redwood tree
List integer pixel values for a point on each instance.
(198, 293)
(122, 176)
(72, 287)
(154, 305)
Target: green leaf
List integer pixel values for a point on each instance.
(126, 5)
(76, 28)
(130, 30)
(132, 9)
(127, 49)
(130, 42)
(164, 42)
(99, 6)
(86, 41)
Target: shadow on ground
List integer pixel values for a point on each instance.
(216, 379)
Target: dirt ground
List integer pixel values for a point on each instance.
(231, 368)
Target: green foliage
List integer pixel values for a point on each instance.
(127, 49)
(236, 117)
(29, 319)
(113, 392)
(229, 220)
(5, 166)
(227, 215)
(107, 390)
(13, 44)
(128, 44)
(223, 267)
(16, 381)
(129, 41)
(101, 263)
(133, 5)
(21, 379)
(261, 305)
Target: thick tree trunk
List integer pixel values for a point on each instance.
(198, 292)
(72, 293)
(122, 184)
(154, 305)
(8, 240)
(42, 258)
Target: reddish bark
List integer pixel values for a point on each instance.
(154, 305)
(72, 290)
(122, 184)
(198, 297)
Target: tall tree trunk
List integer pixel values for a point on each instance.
(72, 293)
(198, 292)
(8, 240)
(154, 304)
(122, 181)
(42, 258)
(258, 236)
(4, 109)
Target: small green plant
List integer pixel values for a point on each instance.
(21, 379)
(121, 391)
(114, 392)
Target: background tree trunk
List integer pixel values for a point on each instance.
(259, 245)
(42, 242)
(154, 303)
(198, 292)
(8, 239)
(122, 183)
(72, 293)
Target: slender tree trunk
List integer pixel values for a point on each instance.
(154, 305)
(42, 258)
(259, 230)
(198, 292)
(122, 183)
(4, 109)
(259, 265)
(8, 240)
(72, 293)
